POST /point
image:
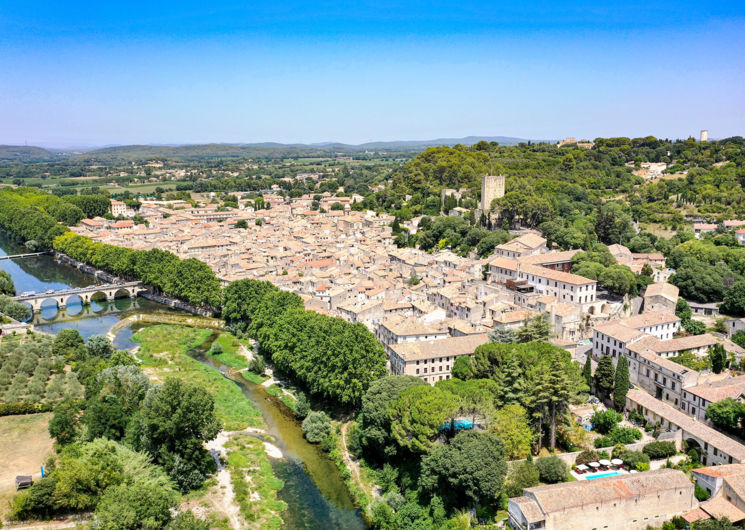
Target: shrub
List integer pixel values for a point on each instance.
(624, 435)
(257, 365)
(302, 405)
(603, 441)
(659, 450)
(700, 493)
(551, 469)
(587, 456)
(642, 466)
(604, 421)
(316, 427)
(524, 475)
(632, 458)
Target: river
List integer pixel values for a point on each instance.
(314, 490)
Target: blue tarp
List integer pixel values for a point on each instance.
(458, 425)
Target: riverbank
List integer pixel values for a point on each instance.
(244, 491)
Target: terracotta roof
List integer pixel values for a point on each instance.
(719, 507)
(451, 346)
(662, 289)
(558, 497)
(719, 390)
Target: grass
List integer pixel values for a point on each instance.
(162, 351)
(273, 390)
(289, 402)
(253, 377)
(230, 355)
(251, 473)
(24, 446)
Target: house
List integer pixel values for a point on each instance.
(697, 398)
(726, 486)
(703, 228)
(525, 245)
(628, 502)
(433, 360)
(117, 208)
(660, 296)
(714, 447)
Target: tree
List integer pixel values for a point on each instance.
(551, 469)
(718, 357)
(587, 370)
(524, 475)
(502, 336)
(605, 420)
(242, 299)
(622, 383)
(694, 327)
(734, 300)
(105, 417)
(375, 424)
(537, 329)
(417, 415)
(614, 224)
(7, 287)
(194, 281)
(471, 469)
(511, 425)
(100, 346)
(302, 405)
(241, 223)
(728, 414)
(683, 310)
(605, 376)
(316, 427)
(618, 279)
(176, 420)
(62, 426)
(15, 310)
(739, 338)
(69, 344)
(140, 504)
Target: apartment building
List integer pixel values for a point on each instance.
(432, 360)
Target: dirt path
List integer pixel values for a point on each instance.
(354, 466)
(225, 495)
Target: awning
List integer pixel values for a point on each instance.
(594, 464)
(604, 462)
(616, 461)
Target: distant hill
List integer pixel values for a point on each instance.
(22, 153)
(226, 151)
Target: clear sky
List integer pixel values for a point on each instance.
(78, 73)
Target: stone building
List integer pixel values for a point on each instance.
(633, 501)
(492, 187)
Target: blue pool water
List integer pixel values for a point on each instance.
(458, 425)
(601, 475)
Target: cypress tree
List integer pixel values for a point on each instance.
(605, 376)
(622, 383)
(587, 370)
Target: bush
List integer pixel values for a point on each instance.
(302, 406)
(551, 469)
(659, 450)
(524, 475)
(604, 421)
(632, 458)
(700, 493)
(257, 365)
(587, 456)
(642, 466)
(624, 435)
(603, 441)
(316, 427)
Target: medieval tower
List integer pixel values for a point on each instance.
(492, 187)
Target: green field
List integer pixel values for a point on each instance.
(163, 353)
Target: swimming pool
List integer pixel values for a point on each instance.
(602, 475)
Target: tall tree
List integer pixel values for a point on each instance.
(621, 387)
(718, 357)
(587, 370)
(418, 414)
(605, 376)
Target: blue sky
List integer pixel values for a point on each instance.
(84, 73)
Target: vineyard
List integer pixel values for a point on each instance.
(31, 374)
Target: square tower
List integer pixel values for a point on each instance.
(492, 187)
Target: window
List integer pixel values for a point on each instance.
(425, 370)
(417, 371)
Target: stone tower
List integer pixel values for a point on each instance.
(704, 136)
(492, 187)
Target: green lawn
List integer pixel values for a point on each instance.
(230, 352)
(162, 350)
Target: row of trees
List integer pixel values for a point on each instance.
(189, 279)
(331, 358)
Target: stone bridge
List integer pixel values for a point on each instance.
(86, 294)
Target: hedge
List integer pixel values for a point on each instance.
(10, 409)
(659, 450)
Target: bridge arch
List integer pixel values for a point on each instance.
(123, 292)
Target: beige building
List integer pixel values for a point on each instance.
(433, 360)
(623, 502)
(492, 187)
(660, 296)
